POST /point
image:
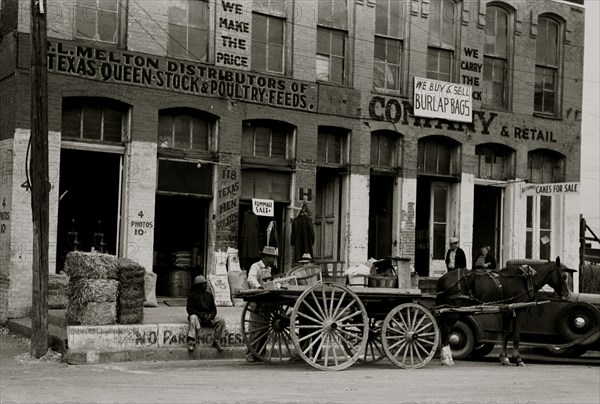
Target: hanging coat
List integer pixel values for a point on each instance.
(272, 234)
(303, 236)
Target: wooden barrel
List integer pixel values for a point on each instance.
(180, 281)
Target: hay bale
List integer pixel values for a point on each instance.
(132, 318)
(95, 313)
(83, 291)
(91, 265)
(129, 292)
(130, 271)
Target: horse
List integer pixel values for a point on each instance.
(512, 284)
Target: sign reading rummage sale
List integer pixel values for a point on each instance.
(443, 100)
(263, 207)
(233, 35)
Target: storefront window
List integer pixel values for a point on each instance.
(538, 242)
(93, 119)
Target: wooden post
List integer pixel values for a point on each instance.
(40, 185)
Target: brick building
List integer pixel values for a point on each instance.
(167, 118)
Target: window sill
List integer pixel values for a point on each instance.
(398, 94)
(269, 164)
(547, 116)
(91, 145)
(183, 153)
(332, 84)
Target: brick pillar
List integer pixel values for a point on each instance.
(407, 219)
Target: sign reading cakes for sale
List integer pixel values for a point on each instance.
(443, 100)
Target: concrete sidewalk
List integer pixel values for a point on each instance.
(161, 336)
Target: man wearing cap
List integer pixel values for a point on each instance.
(261, 270)
(202, 312)
(455, 257)
(485, 260)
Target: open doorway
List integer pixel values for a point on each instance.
(381, 197)
(486, 219)
(88, 207)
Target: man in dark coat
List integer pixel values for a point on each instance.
(485, 260)
(202, 312)
(455, 257)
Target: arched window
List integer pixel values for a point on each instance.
(545, 166)
(185, 128)
(332, 145)
(385, 146)
(438, 156)
(494, 162)
(267, 139)
(496, 60)
(547, 66)
(93, 119)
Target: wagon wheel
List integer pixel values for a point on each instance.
(266, 331)
(410, 336)
(374, 349)
(329, 326)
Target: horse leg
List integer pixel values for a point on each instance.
(505, 332)
(516, 318)
(446, 322)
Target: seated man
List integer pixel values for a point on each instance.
(202, 311)
(485, 260)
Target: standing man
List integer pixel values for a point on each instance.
(261, 270)
(455, 257)
(202, 312)
(485, 260)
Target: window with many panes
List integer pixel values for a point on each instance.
(264, 139)
(438, 156)
(494, 162)
(188, 29)
(442, 36)
(384, 149)
(268, 43)
(538, 236)
(332, 38)
(545, 166)
(184, 128)
(389, 28)
(547, 64)
(93, 119)
(496, 59)
(331, 145)
(97, 20)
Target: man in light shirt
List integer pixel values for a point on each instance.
(261, 270)
(455, 257)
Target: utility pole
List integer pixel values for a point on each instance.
(40, 184)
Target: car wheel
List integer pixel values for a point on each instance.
(462, 340)
(482, 350)
(576, 320)
(572, 352)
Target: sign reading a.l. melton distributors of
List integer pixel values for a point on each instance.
(550, 189)
(443, 100)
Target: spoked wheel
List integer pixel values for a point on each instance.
(374, 350)
(266, 330)
(329, 326)
(410, 336)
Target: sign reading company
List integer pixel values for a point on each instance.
(186, 77)
(440, 99)
(233, 35)
(263, 207)
(551, 189)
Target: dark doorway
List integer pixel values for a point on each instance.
(422, 255)
(180, 230)
(381, 196)
(486, 219)
(88, 207)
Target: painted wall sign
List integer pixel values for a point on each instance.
(443, 100)
(263, 207)
(233, 35)
(471, 70)
(551, 189)
(124, 67)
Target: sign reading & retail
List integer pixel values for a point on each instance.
(185, 77)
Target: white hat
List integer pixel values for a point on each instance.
(268, 250)
(453, 240)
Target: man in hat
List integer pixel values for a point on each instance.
(202, 312)
(485, 260)
(455, 257)
(261, 270)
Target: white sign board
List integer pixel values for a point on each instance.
(263, 207)
(551, 189)
(442, 100)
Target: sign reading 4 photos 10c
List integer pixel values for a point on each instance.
(443, 100)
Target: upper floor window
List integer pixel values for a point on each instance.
(266, 139)
(545, 166)
(268, 43)
(495, 162)
(496, 58)
(331, 146)
(93, 119)
(547, 64)
(97, 20)
(438, 156)
(188, 29)
(332, 41)
(384, 149)
(387, 69)
(442, 37)
(184, 128)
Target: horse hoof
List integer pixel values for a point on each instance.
(520, 363)
(505, 362)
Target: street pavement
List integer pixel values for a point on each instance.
(543, 380)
